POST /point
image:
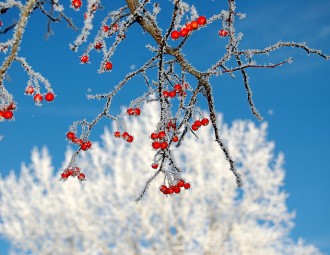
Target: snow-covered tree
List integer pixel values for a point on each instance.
(40, 215)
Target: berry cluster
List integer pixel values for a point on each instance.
(162, 144)
(134, 111)
(73, 172)
(7, 112)
(174, 188)
(29, 90)
(198, 123)
(84, 145)
(177, 90)
(126, 136)
(201, 21)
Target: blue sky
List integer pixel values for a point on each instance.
(294, 99)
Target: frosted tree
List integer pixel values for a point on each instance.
(170, 79)
(40, 215)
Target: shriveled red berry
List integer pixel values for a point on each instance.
(201, 20)
(156, 145)
(98, 46)
(37, 98)
(223, 33)
(117, 134)
(175, 139)
(194, 127)
(186, 185)
(154, 165)
(154, 136)
(205, 121)
(81, 177)
(70, 135)
(137, 111)
(7, 115)
(161, 134)
(76, 4)
(84, 59)
(184, 32)
(11, 106)
(166, 93)
(29, 90)
(108, 66)
(175, 35)
(172, 93)
(130, 139)
(49, 96)
(164, 145)
(194, 24)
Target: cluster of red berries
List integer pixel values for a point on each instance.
(107, 65)
(126, 136)
(161, 144)
(173, 93)
(134, 111)
(84, 145)
(170, 125)
(73, 172)
(174, 188)
(106, 28)
(7, 112)
(223, 33)
(29, 90)
(201, 21)
(198, 123)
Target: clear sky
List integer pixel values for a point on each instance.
(294, 99)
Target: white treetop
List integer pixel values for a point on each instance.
(40, 215)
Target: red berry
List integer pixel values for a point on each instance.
(130, 111)
(184, 32)
(108, 66)
(156, 145)
(89, 144)
(166, 93)
(161, 134)
(164, 145)
(65, 175)
(169, 190)
(205, 121)
(7, 115)
(175, 35)
(114, 27)
(77, 141)
(125, 135)
(176, 189)
(189, 27)
(84, 146)
(137, 111)
(38, 98)
(177, 87)
(70, 135)
(81, 177)
(105, 29)
(84, 59)
(11, 106)
(194, 127)
(29, 90)
(130, 139)
(194, 24)
(201, 20)
(98, 46)
(117, 134)
(223, 33)
(197, 123)
(180, 183)
(76, 4)
(163, 188)
(154, 136)
(1, 114)
(154, 165)
(172, 93)
(175, 139)
(49, 97)
(186, 185)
